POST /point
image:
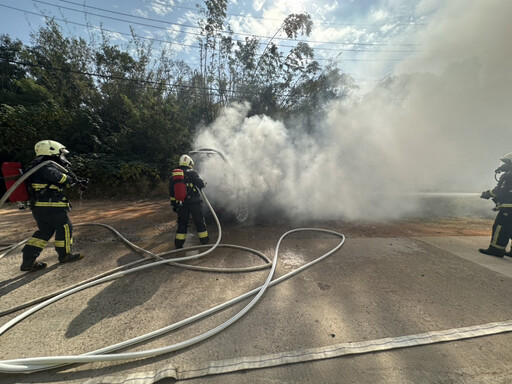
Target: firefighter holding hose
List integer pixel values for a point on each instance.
(502, 196)
(184, 185)
(49, 205)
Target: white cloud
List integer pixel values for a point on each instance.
(258, 4)
(379, 15)
(387, 28)
(113, 36)
(330, 7)
(140, 12)
(162, 7)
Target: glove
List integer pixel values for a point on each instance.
(71, 181)
(82, 182)
(74, 180)
(486, 195)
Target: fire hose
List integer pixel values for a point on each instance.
(27, 365)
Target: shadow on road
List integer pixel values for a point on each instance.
(124, 294)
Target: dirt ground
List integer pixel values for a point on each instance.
(140, 218)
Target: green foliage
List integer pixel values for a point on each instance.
(115, 177)
(22, 126)
(126, 117)
(295, 23)
(24, 92)
(9, 57)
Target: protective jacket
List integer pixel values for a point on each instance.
(502, 227)
(50, 210)
(47, 185)
(191, 206)
(502, 193)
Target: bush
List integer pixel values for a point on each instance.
(110, 176)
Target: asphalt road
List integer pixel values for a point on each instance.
(372, 288)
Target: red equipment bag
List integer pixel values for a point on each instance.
(180, 187)
(12, 172)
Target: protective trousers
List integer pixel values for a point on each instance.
(184, 211)
(49, 220)
(501, 230)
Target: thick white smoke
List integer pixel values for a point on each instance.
(439, 125)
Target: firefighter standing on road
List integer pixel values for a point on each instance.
(49, 206)
(502, 196)
(184, 185)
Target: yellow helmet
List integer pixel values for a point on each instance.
(186, 161)
(50, 148)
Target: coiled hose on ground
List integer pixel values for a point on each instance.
(27, 365)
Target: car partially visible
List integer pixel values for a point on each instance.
(224, 188)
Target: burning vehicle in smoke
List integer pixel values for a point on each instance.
(224, 187)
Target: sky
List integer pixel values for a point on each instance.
(439, 123)
(369, 36)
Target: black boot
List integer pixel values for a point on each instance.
(492, 251)
(71, 257)
(34, 267)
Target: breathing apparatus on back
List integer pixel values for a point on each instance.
(47, 151)
(179, 178)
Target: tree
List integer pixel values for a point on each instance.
(210, 39)
(10, 56)
(127, 113)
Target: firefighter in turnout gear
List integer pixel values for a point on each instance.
(49, 206)
(184, 185)
(502, 196)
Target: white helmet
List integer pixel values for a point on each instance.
(50, 148)
(507, 158)
(507, 163)
(186, 161)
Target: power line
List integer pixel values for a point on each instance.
(117, 13)
(198, 34)
(159, 85)
(272, 19)
(195, 46)
(116, 19)
(95, 27)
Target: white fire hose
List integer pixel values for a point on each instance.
(28, 365)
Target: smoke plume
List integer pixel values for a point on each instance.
(439, 124)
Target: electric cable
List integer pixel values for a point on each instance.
(248, 16)
(199, 33)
